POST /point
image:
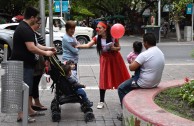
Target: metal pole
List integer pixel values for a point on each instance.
(61, 8)
(51, 22)
(25, 104)
(159, 17)
(42, 15)
(192, 22)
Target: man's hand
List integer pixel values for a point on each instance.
(53, 49)
(49, 53)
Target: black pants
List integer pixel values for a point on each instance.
(35, 90)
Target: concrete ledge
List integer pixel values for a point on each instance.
(140, 109)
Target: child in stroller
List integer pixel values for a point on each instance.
(67, 90)
(77, 86)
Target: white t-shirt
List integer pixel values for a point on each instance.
(152, 65)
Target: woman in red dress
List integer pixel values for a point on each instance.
(113, 70)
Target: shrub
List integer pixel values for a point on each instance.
(187, 91)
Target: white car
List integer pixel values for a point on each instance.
(57, 36)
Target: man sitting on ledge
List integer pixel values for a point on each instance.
(151, 63)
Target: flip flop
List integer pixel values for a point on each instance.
(37, 113)
(30, 120)
(37, 108)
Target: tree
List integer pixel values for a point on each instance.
(177, 13)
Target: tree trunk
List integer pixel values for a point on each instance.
(178, 32)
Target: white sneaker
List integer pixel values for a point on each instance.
(100, 105)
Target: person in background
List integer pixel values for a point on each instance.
(151, 63)
(27, 50)
(113, 70)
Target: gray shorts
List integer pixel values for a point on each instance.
(28, 78)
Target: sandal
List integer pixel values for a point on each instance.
(36, 113)
(39, 108)
(30, 120)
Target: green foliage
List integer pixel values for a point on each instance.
(187, 92)
(178, 9)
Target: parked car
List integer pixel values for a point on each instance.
(82, 34)
(57, 36)
(6, 37)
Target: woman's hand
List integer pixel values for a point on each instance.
(53, 49)
(115, 47)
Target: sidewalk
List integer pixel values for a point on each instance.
(71, 113)
(89, 75)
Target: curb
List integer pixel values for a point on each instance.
(139, 108)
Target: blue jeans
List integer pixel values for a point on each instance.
(136, 75)
(125, 88)
(82, 93)
(28, 78)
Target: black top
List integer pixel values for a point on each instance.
(23, 34)
(74, 83)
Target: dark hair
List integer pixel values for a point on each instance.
(70, 24)
(149, 38)
(108, 38)
(38, 19)
(69, 62)
(137, 46)
(66, 68)
(29, 12)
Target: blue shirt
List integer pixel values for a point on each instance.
(69, 51)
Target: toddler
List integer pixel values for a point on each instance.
(73, 69)
(137, 48)
(77, 86)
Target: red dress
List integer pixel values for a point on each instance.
(113, 70)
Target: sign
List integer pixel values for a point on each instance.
(57, 6)
(166, 8)
(65, 6)
(189, 9)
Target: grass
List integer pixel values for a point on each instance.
(170, 101)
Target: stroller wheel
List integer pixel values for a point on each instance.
(82, 108)
(55, 106)
(56, 116)
(89, 117)
(89, 110)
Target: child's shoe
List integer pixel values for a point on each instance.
(89, 103)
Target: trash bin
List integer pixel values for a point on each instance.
(12, 87)
(188, 33)
(152, 29)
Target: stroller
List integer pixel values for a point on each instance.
(64, 93)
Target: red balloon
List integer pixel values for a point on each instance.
(117, 30)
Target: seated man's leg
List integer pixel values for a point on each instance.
(125, 88)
